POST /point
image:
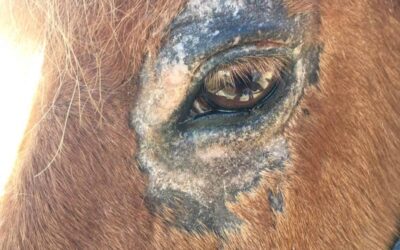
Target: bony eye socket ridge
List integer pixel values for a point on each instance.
(241, 85)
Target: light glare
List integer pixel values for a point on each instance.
(19, 75)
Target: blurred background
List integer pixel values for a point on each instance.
(19, 77)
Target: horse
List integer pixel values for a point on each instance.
(215, 124)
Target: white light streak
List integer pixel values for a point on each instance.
(19, 76)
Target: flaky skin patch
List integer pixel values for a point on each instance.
(172, 148)
(340, 190)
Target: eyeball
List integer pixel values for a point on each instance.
(241, 85)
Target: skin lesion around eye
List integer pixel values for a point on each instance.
(206, 162)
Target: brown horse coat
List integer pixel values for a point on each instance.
(76, 184)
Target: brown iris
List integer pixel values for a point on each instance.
(240, 85)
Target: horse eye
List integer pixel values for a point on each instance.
(242, 85)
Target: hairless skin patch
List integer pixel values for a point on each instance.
(197, 166)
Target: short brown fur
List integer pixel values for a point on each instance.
(76, 184)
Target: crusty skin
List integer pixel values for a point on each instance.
(341, 188)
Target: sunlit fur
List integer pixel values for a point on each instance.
(76, 184)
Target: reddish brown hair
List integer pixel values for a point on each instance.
(76, 184)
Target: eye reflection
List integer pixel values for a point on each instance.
(241, 85)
